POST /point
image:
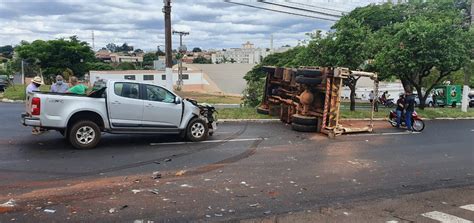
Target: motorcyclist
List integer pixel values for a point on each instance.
(409, 109)
(400, 108)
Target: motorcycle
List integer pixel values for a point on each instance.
(389, 103)
(417, 124)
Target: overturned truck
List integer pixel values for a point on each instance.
(309, 98)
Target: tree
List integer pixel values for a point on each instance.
(424, 47)
(126, 66)
(112, 47)
(196, 49)
(55, 56)
(148, 59)
(99, 66)
(6, 51)
(159, 52)
(202, 60)
(232, 60)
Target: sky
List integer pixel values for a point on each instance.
(213, 24)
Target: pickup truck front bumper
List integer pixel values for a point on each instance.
(27, 120)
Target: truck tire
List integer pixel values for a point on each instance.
(197, 130)
(309, 73)
(84, 134)
(262, 111)
(304, 128)
(308, 80)
(304, 120)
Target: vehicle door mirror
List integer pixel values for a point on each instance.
(177, 100)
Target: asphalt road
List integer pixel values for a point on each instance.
(245, 171)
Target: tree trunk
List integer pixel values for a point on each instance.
(352, 97)
(406, 85)
(422, 98)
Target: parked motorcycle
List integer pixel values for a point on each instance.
(417, 124)
(387, 102)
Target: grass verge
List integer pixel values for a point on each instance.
(210, 98)
(428, 113)
(18, 92)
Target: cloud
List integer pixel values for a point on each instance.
(211, 23)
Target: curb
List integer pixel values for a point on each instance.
(349, 119)
(6, 100)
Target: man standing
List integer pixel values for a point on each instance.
(76, 88)
(400, 108)
(59, 86)
(34, 85)
(373, 101)
(409, 109)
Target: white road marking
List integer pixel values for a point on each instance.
(445, 218)
(207, 141)
(385, 133)
(469, 207)
(472, 130)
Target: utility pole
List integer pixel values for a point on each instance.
(22, 72)
(168, 46)
(93, 41)
(182, 51)
(465, 90)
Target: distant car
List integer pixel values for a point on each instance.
(428, 102)
(471, 99)
(3, 82)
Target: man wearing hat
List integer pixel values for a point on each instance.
(34, 85)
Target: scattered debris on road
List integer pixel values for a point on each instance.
(156, 175)
(51, 211)
(135, 191)
(112, 210)
(180, 173)
(154, 191)
(9, 204)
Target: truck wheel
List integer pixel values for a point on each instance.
(84, 135)
(304, 128)
(309, 73)
(304, 120)
(262, 111)
(197, 130)
(308, 80)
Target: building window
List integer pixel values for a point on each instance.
(185, 76)
(148, 77)
(163, 77)
(129, 77)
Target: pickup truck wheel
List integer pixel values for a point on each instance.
(197, 130)
(84, 135)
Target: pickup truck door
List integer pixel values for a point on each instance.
(124, 105)
(160, 110)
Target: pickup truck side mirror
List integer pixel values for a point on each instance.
(177, 100)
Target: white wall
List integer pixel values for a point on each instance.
(194, 78)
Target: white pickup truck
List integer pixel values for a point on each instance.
(121, 107)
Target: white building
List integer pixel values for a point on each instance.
(193, 80)
(248, 54)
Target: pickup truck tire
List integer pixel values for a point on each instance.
(84, 134)
(197, 130)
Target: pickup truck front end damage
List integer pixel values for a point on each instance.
(207, 113)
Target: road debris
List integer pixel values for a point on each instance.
(346, 213)
(207, 179)
(167, 160)
(231, 211)
(218, 215)
(267, 212)
(112, 210)
(185, 185)
(180, 173)
(9, 204)
(134, 191)
(154, 191)
(244, 183)
(208, 216)
(254, 205)
(51, 211)
(156, 175)
(123, 207)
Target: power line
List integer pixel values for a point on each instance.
(280, 11)
(303, 4)
(301, 9)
